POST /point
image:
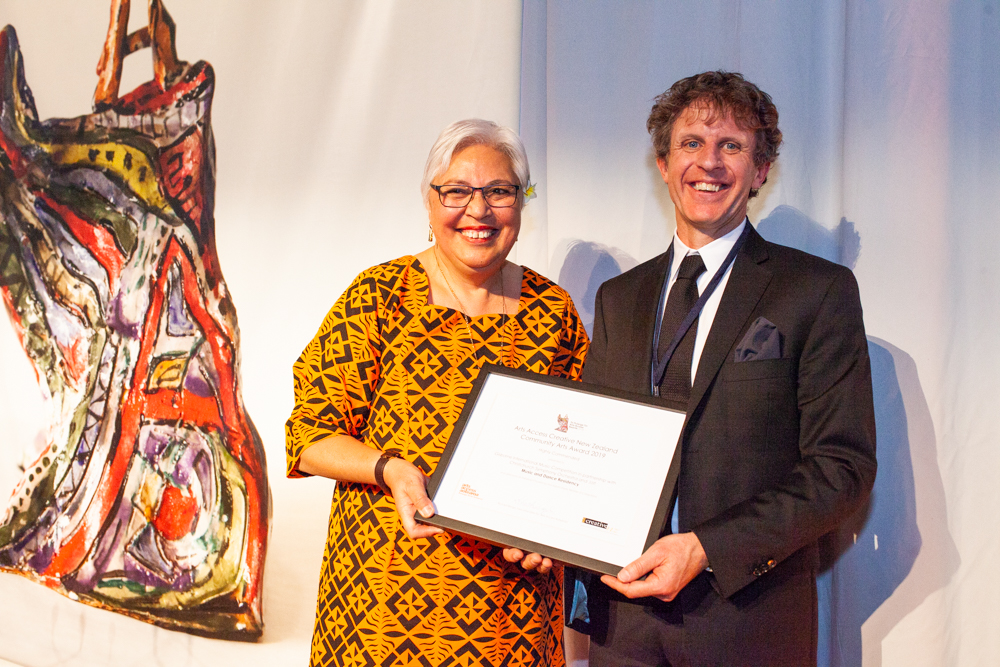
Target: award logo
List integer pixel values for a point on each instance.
(563, 423)
(595, 523)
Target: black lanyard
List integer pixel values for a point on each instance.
(660, 365)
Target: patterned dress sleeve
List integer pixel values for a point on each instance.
(335, 376)
(573, 344)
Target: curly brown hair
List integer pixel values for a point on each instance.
(727, 92)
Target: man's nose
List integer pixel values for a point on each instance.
(710, 157)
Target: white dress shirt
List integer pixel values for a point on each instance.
(713, 255)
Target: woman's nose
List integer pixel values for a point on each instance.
(477, 206)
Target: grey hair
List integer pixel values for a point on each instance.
(475, 132)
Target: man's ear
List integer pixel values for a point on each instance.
(661, 163)
(762, 170)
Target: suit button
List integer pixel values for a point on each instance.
(764, 567)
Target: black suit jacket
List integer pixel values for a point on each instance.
(774, 452)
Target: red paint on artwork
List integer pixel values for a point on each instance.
(95, 238)
(75, 359)
(176, 514)
(181, 168)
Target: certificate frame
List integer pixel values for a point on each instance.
(665, 483)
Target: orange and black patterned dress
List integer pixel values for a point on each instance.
(394, 372)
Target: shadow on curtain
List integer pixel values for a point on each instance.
(586, 266)
(868, 559)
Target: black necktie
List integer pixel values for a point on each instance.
(676, 382)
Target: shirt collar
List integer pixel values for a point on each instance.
(712, 254)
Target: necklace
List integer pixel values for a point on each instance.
(464, 314)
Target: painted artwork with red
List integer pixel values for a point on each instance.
(150, 495)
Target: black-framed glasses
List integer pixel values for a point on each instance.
(498, 195)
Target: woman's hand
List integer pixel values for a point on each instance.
(528, 562)
(344, 458)
(409, 489)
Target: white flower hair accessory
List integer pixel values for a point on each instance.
(530, 192)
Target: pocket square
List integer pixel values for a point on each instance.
(762, 341)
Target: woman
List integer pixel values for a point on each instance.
(377, 393)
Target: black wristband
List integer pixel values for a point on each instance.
(380, 466)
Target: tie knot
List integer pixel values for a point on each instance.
(691, 268)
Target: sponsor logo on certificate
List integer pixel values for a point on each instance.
(595, 523)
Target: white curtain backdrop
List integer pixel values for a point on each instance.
(890, 166)
(323, 116)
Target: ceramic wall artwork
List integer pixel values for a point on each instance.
(149, 496)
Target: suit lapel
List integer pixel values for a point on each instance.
(647, 301)
(746, 285)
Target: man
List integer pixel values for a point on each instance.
(779, 441)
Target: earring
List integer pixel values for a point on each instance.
(430, 233)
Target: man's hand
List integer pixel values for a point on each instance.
(671, 562)
(528, 561)
(408, 485)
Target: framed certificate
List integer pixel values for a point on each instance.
(578, 473)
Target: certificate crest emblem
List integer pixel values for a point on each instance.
(562, 422)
